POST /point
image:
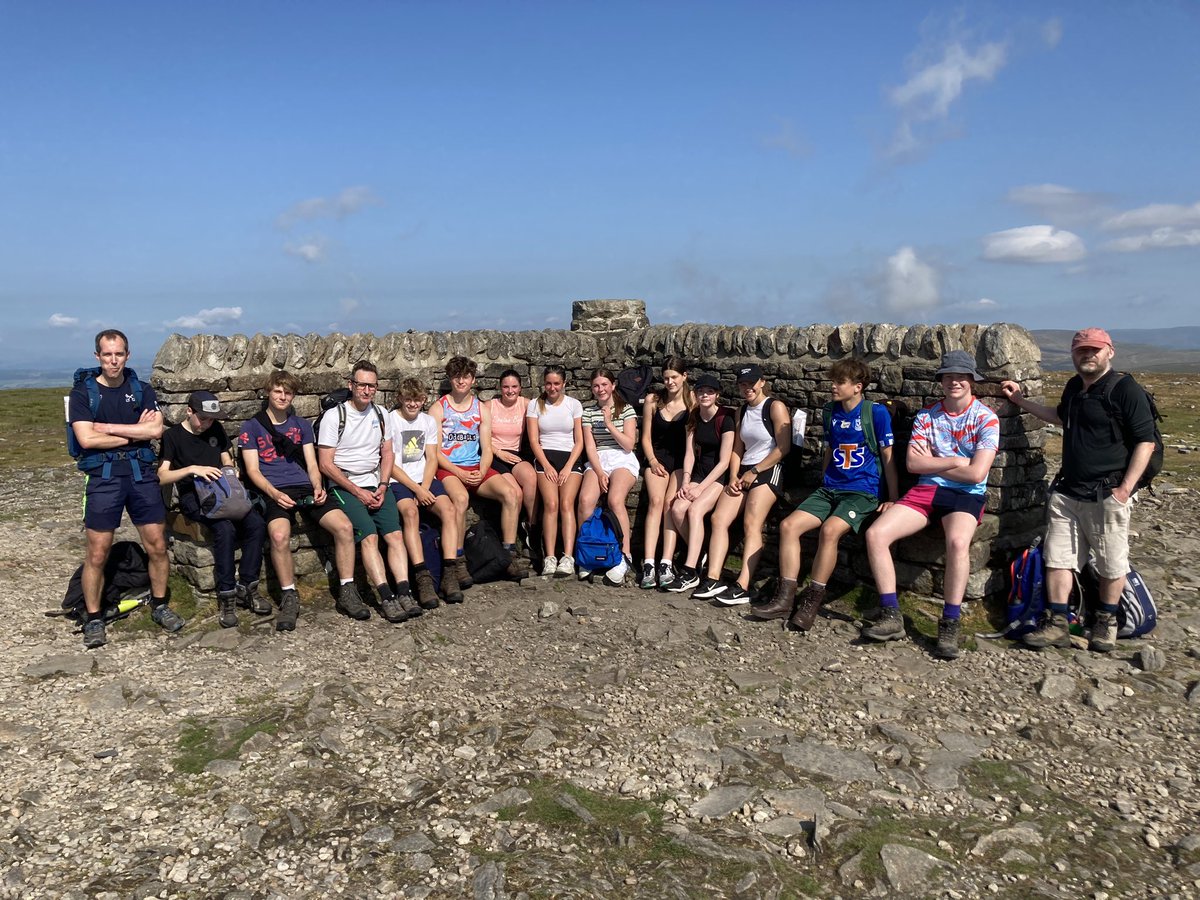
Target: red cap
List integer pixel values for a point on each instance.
(1091, 337)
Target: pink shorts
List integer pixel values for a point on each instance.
(443, 474)
(933, 502)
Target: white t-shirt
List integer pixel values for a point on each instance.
(556, 426)
(409, 440)
(357, 454)
(759, 441)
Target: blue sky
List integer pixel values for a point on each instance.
(304, 166)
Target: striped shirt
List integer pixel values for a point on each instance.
(976, 428)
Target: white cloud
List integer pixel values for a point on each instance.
(311, 250)
(346, 202)
(1034, 244)
(1158, 238)
(206, 318)
(58, 320)
(910, 285)
(1156, 215)
(1058, 203)
(931, 90)
(1052, 32)
(787, 138)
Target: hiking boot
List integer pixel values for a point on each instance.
(517, 570)
(351, 603)
(549, 567)
(947, 642)
(411, 608)
(1053, 631)
(808, 604)
(166, 618)
(666, 574)
(566, 567)
(426, 592)
(249, 598)
(888, 627)
(649, 576)
(93, 634)
(464, 575)
(289, 611)
(390, 609)
(451, 592)
(778, 607)
(1104, 633)
(227, 609)
(709, 588)
(734, 595)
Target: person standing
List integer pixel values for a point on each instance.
(113, 418)
(1108, 438)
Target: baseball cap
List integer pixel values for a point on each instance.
(707, 381)
(1091, 337)
(205, 403)
(958, 362)
(751, 373)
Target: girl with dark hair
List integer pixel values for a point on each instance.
(609, 436)
(556, 439)
(664, 435)
(508, 409)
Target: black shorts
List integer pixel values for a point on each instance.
(558, 459)
(772, 478)
(667, 460)
(506, 468)
(303, 495)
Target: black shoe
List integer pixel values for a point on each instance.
(93, 634)
(888, 627)
(166, 618)
(390, 609)
(947, 642)
(734, 595)
(227, 609)
(289, 611)
(351, 603)
(249, 598)
(682, 582)
(709, 588)
(410, 606)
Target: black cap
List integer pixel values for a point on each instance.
(751, 373)
(707, 381)
(205, 403)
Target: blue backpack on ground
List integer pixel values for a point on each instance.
(1137, 614)
(431, 546)
(90, 460)
(1027, 596)
(598, 547)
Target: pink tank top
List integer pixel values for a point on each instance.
(508, 423)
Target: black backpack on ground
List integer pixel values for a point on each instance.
(487, 560)
(126, 576)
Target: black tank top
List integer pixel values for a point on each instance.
(668, 437)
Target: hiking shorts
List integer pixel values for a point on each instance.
(613, 458)
(443, 474)
(558, 459)
(401, 492)
(852, 507)
(302, 494)
(934, 501)
(1079, 526)
(367, 522)
(105, 499)
(772, 478)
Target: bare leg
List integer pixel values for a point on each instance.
(826, 559)
(460, 498)
(656, 492)
(396, 557)
(959, 528)
(758, 507)
(670, 533)
(566, 506)
(280, 533)
(410, 522)
(338, 524)
(506, 492)
(154, 540)
(790, 530)
(99, 543)
(696, 511)
(589, 494)
(550, 494)
(729, 506)
(895, 523)
(619, 484)
(372, 560)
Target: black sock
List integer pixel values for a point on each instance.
(156, 602)
(402, 589)
(94, 616)
(418, 567)
(687, 571)
(384, 592)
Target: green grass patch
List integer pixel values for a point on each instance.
(33, 428)
(200, 743)
(183, 601)
(884, 827)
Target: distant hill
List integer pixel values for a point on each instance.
(22, 378)
(1138, 349)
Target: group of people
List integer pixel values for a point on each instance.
(368, 473)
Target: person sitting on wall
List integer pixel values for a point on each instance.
(848, 495)
(197, 448)
(278, 453)
(556, 438)
(664, 436)
(761, 440)
(415, 487)
(465, 463)
(508, 410)
(953, 445)
(354, 452)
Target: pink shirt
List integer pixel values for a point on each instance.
(508, 423)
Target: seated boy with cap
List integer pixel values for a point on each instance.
(197, 448)
(953, 445)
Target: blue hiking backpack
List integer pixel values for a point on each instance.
(90, 460)
(1027, 596)
(1137, 613)
(598, 547)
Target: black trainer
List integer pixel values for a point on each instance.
(683, 582)
(709, 588)
(734, 595)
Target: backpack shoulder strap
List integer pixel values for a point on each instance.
(341, 419)
(827, 420)
(868, 426)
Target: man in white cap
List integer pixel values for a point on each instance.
(1108, 437)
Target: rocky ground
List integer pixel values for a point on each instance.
(557, 739)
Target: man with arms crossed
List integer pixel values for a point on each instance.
(1106, 446)
(119, 465)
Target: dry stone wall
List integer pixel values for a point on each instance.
(617, 334)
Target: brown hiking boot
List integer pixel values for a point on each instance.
(1104, 633)
(451, 592)
(463, 573)
(888, 627)
(947, 640)
(807, 605)
(1052, 631)
(778, 607)
(516, 570)
(426, 592)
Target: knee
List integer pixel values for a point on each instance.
(878, 540)
(155, 546)
(830, 532)
(550, 504)
(958, 545)
(281, 540)
(409, 516)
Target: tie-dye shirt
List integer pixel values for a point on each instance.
(976, 428)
